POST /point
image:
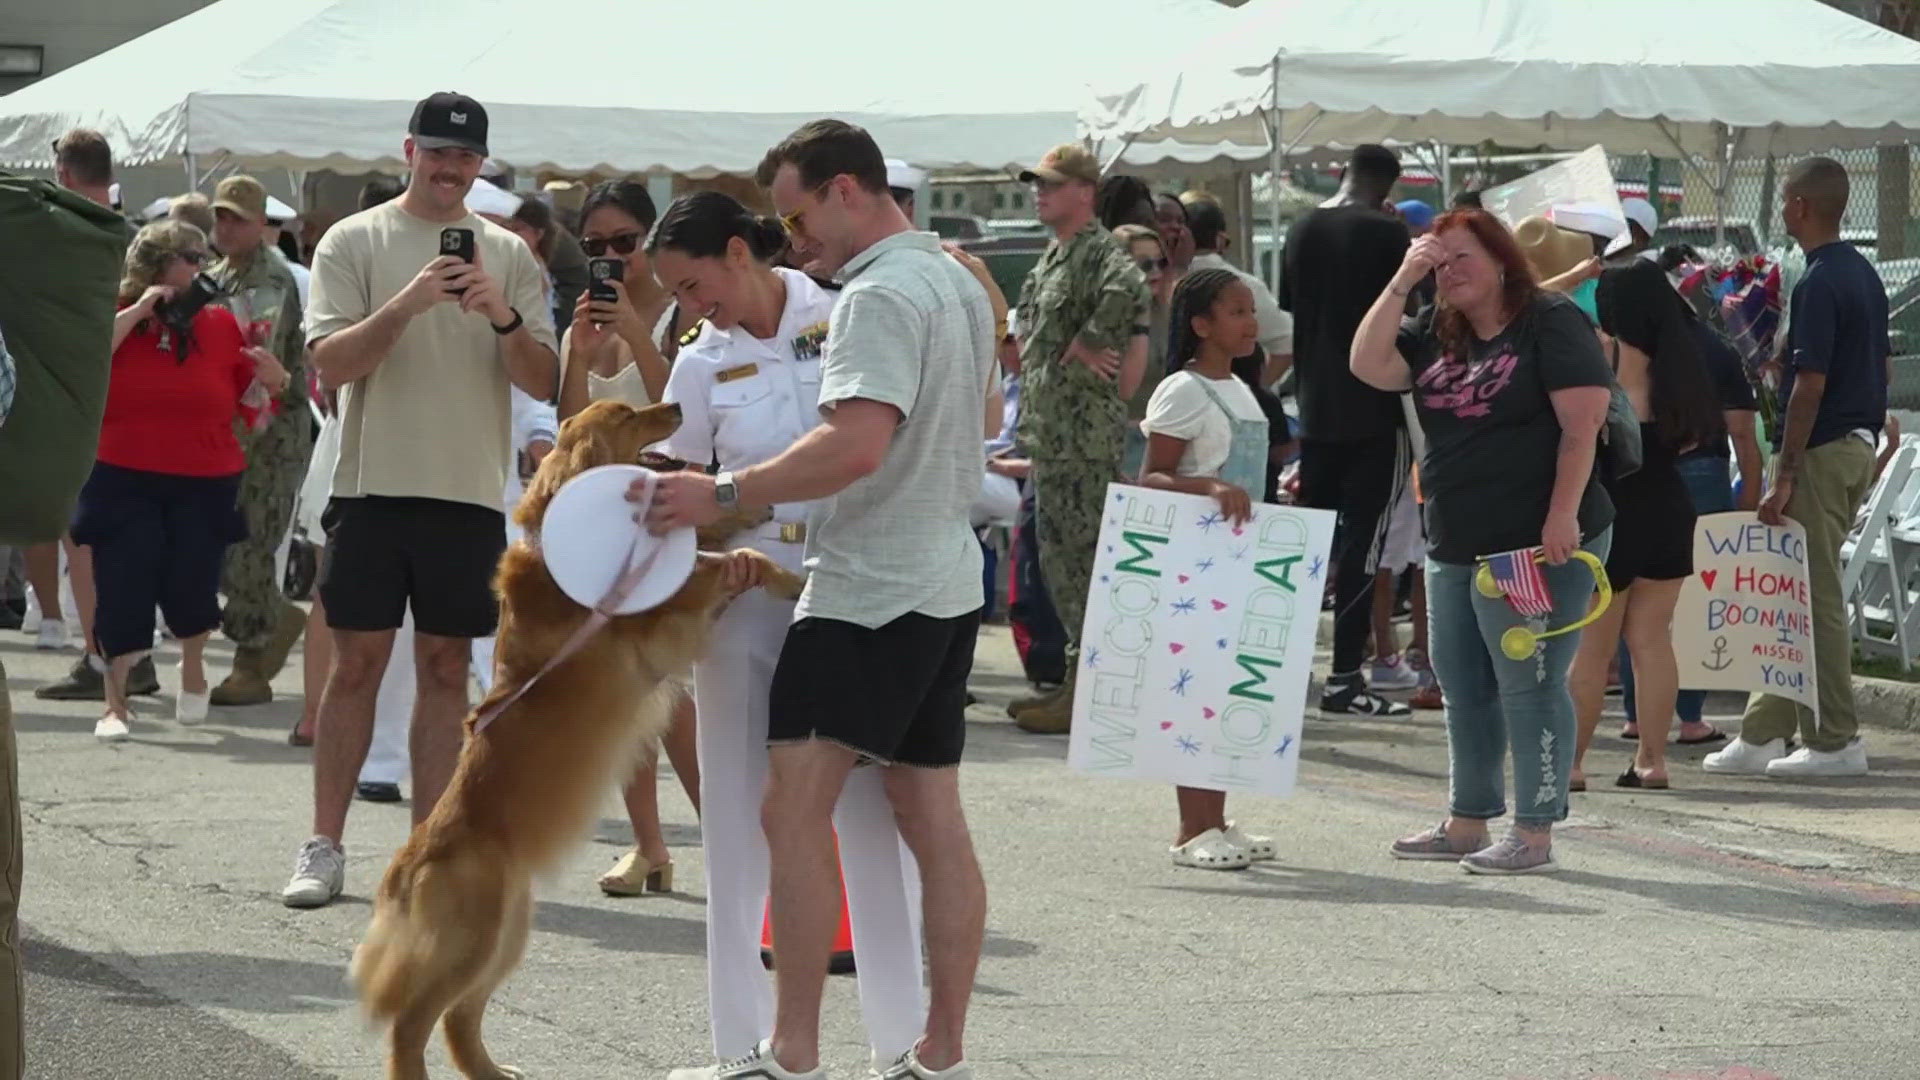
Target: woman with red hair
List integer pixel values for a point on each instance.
(1511, 388)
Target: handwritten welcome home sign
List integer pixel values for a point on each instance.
(1745, 619)
(1198, 642)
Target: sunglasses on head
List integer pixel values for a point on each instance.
(618, 243)
(191, 258)
(1149, 265)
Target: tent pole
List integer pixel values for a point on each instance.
(1273, 184)
(1125, 145)
(193, 173)
(1445, 153)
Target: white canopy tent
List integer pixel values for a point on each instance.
(1708, 80)
(616, 86)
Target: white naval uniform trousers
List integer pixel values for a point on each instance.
(744, 401)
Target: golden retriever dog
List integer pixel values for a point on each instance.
(452, 915)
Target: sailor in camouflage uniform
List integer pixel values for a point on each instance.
(1080, 307)
(260, 290)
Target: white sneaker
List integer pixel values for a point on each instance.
(111, 729)
(30, 621)
(907, 1067)
(1742, 758)
(1393, 673)
(1806, 761)
(191, 708)
(758, 1065)
(52, 635)
(319, 873)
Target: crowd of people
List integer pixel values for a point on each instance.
(879, 396)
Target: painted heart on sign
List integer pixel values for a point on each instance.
(1237, 530)
(1183, 579)
(1219, 605)
(1165, 724)
(1208, 713)
(1707, 577)
(1175, 647)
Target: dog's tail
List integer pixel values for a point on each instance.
(430, 929)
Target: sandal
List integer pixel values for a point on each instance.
(1713, 735)
(1211, 850)
(1630, 732)
(296, 737)
(1632, 779)
(634, 876)
(1258, 848)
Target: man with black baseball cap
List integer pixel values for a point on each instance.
(422, 341)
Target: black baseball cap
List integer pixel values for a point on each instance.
(448, 119)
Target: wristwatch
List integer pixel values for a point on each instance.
(725, 491)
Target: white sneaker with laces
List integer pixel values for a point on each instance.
(111, 728)
(757, 1065)
(189, 707)
(51, 636)
(1742, 758)
(319, 873)
(1806, 761)
(907, 1067)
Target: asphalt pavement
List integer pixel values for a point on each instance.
(1729, 929)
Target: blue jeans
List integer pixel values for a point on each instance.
(1709, 481)
(1493, 701)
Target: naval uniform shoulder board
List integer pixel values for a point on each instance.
(693, 333)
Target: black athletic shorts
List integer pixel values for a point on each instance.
(384, 553)
(896, 694)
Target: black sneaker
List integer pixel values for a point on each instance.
(84, 682)
(1353, 699)
(375, 791)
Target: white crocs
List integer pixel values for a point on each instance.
(1211, 850)
(1258, 848)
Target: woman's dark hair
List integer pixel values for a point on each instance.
(628, 195)
(538, 216)
(288, 246)
(1450, 325)
(1118, 199)
(1194, 296)
(702, 223)
(1207, 222)
(1639, 306)
(379, 190)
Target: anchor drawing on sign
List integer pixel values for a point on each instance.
(1722, 660)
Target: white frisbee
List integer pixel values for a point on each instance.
(589, 530)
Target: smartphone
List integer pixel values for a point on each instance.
(459, 244)
(187, 303)
(602, 270)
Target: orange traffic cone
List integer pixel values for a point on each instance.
(841, 961)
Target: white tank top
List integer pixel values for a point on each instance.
(626, 386)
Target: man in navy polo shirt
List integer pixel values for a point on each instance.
(1834, 397)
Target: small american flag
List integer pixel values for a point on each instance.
(1518, 575)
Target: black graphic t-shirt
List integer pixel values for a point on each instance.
(1493, 441)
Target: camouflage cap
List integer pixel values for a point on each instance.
(242, 195)
(1068, 161)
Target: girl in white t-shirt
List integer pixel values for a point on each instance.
(1206, 435)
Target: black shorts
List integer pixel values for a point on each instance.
(384, 553)
(896, 694)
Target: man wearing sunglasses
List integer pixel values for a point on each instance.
(1083, 307)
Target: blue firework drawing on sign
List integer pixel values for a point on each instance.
(1187, 745)
(1180, 684)
(1184, 605)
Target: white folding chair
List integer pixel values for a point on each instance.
(1880, 560)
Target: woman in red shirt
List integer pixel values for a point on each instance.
(160, 506)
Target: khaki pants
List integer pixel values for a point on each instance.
(13, 1050)
(1825, 499)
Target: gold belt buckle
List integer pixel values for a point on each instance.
(793, 532)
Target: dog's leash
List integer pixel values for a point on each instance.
(632, 573)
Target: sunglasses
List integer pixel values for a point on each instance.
(618, 243)
(1148, 266)
(191, 258)
(793, 222)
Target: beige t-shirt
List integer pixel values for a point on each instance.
(434, 419)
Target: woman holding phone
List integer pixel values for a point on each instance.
(614, 350)
(748, 386)
(160, 508)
